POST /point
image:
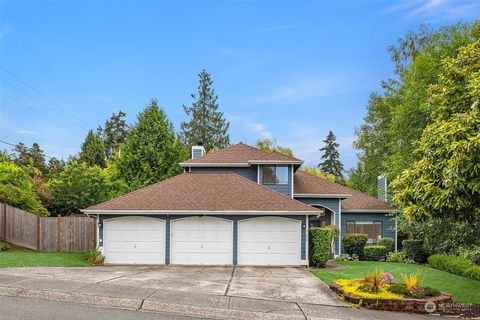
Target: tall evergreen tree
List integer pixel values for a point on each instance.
(114, 133)
(32, 160)
(152, 151)
(92, 151)
(206, 125)
(331, 163)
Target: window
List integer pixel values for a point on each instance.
(275, 175)
(372, 228)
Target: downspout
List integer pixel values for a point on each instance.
(307, 242)
(339, 226)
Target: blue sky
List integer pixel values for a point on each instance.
(285, 70)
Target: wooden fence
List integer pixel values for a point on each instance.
(62, 234)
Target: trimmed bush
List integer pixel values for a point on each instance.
(374, 253)
(320, 239)
(398, 289)
(414, 250)
(399, 256)
(354, 243)
(388, 243)
(455, 265)
(4, 246)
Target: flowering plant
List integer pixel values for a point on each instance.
(388, 277)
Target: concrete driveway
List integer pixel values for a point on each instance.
(210, 292)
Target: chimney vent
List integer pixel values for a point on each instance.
(197, 152)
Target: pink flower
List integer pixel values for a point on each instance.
(388, 277)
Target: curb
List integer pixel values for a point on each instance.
(144, 305)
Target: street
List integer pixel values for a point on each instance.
(14, 308)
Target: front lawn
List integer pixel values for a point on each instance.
(462, 289)
(42, 259)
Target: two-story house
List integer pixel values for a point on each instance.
(239, 205)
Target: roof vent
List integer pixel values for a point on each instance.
(382, 188)
(197, 152)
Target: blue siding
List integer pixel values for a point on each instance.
(285, 189)
(388, 229)
(247, 172)
(234, 218)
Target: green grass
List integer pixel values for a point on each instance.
(462, 289)
(41, 259)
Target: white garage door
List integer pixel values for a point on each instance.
(202, 240)
(269, 241)
(134, 240)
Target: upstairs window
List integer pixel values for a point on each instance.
(275, 175)
(372, 228)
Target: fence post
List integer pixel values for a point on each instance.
(38, 233)
(4, 236)
(58, 233)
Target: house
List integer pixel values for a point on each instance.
(239, 206)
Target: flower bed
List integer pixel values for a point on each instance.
(378, 291)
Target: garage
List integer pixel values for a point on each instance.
(269, 241)
(202, 241)
(134, 240)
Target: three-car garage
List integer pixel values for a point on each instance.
(202, 240)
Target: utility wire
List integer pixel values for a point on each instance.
(44, 96)
(13, 145)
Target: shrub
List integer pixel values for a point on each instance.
(4, 246)
(345, 257)
(431, 292)
(354, 243)
(414, 250)
(320, 239)
(455, 265)
(374, 253)
(388, 243)
(94, 256)
(375, 280)
(398, 289)
(399, 256)
(472, 254)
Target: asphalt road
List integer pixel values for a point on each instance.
(13, 308)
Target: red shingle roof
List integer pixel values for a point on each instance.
(239, 154)
(305, 183)
(213, 191)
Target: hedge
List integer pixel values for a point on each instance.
(374, 253)
(414, 250)
(388, 243)
(455, 265)
(354, 243)
(320, 239)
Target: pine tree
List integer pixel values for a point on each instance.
(30, 159)
(114, 134)
(206, 125)
(331, 163)
(93, 151)
(152, 151)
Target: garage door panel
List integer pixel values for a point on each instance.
(134, 240)
(269, 241)
(202, 240)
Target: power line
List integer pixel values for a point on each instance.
(45, 97)
(14, 145)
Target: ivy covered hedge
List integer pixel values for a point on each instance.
(320, 240)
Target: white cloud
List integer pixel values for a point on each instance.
(24, 132)
(439, 9)
(304, 87)
(254, 128)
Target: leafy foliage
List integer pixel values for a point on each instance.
(414, 249)
(207, 125)
(398, 289)
(320, 240)
(375, 280)
(374, 253)
(455, 265)
(388, 243)
(331, 163)
(354, 243)
(4, 246)
(411, 280)
(399, 256)
(92, 151)
(152, 151)
(270, 145)
(114, 133)
(77, 187)
(16, 189)
(31, 159)
(319, 173)
(94, 256)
